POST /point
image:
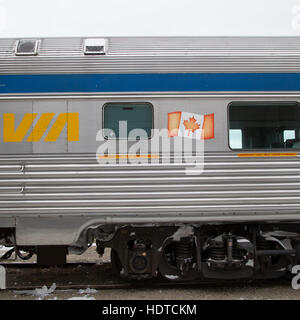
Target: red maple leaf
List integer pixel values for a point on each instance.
(191, 125)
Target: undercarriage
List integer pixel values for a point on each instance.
(189, 252)
(181, 253)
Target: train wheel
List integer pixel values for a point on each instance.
(25, 255)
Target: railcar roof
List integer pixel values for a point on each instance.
(156, 54)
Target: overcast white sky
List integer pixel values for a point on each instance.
(37, 18)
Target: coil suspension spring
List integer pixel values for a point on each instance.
(184, 251)
(217, 253)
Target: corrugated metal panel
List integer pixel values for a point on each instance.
(178, 46)
(55, 47)
(229, 186)
(135, 55)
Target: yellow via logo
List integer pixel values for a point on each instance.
(10, 134)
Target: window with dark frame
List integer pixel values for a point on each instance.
(135, 115)
(264, 125)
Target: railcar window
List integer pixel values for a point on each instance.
(134, 115)
(265, 125)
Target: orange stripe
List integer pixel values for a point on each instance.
(273, 154)
(129, 156)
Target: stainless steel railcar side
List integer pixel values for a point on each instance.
(239, 218)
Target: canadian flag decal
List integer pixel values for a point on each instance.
(191, 125)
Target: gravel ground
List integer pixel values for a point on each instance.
(279, 290)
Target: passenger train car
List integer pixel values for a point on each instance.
(79, 164)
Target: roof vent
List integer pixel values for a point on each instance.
(95, 46)
(26, 47)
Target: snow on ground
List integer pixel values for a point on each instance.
(87, 290)
(86, 297)
(42, 293)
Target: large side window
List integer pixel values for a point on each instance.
(122, 118)
(264, 125)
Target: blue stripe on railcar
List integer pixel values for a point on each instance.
(180, 82)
